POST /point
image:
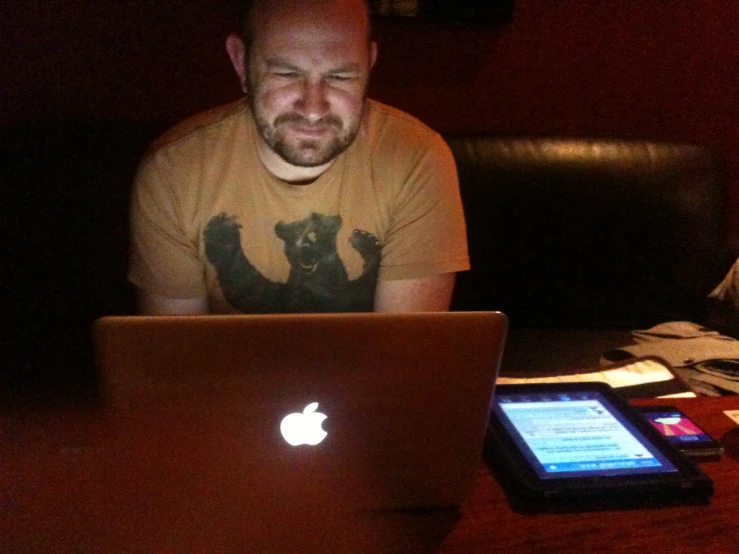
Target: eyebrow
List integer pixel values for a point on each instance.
(275, 63)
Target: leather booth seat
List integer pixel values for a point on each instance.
(577, 240)
(580, 240)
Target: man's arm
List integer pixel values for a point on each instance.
(153, 304)
(426, 294)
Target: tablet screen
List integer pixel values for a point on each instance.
(577, 434)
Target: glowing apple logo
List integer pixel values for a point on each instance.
(304, 428)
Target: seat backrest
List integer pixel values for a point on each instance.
(591, 233)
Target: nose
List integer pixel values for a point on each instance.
(313, 103)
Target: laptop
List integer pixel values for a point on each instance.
(282, 416)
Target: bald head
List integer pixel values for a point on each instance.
(253, 13)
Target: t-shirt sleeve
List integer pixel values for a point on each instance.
(427, 234)
(164, 256)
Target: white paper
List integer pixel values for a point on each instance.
(638, 373)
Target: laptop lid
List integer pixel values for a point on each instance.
(400, 402)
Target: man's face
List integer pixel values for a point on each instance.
(307, 78)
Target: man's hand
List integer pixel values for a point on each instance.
(427, 294)
(153, 304)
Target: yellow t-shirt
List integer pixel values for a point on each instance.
(208, 218)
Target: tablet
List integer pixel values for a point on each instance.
(573, 446)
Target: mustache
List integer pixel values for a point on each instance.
(295, 118)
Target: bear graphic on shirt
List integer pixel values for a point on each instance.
(317, 282)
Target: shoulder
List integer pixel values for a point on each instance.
(395, 134)
(206, 128)
(174, 163)
(383, 121)
(400, 144)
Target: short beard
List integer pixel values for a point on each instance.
(307, 153)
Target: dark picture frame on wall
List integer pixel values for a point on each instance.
(466, 12)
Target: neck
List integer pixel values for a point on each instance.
(293, 174)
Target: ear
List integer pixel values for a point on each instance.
(373, 54)
(282, 230)
(237, 52)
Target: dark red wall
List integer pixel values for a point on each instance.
(661, 69)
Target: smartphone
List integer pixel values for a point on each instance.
(681, 431)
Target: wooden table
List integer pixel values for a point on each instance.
(40, 511)
(489, 525)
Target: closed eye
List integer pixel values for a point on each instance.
(342, 77)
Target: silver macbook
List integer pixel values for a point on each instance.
(277, 417)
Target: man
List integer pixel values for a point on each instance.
(305, 196)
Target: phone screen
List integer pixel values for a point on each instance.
(576, 435)
(674, 425)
